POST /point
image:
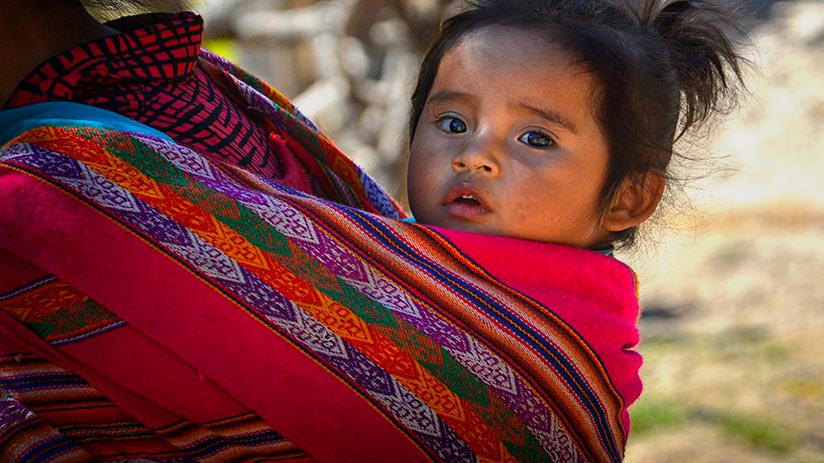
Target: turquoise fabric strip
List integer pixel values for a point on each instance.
(14, 122)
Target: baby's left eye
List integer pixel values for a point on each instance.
(536, 139)
(451, 124)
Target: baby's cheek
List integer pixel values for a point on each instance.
(521, 214)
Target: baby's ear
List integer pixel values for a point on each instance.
(636, 200)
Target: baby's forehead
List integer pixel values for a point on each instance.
(494, 49)
(504, 43)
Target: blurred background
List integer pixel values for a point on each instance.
(732, 276)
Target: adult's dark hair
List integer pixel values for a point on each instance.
(663, 68)
(109, 9)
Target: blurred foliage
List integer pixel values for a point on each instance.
(654, 414)
(758, 432)
(224, 47)
(651, 415)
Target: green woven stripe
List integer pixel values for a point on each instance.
(71, 321)
(531, 451)
(420, 347)
(149, 162)
(364, 307)
(460, 380)
(217, 204)
(310, 270)
(258, 232)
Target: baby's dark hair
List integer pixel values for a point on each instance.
(663, 68)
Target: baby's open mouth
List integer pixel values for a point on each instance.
(467, 199)
(463, 205)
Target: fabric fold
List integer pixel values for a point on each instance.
(222, 316)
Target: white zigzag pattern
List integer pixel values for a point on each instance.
(376, 195)
(197, 166)
(102, 190)
(384, 292)
(529, 405)
(286, 220)
(544, 426)
(313, 334)
(558, 444)
(487, 366)
(342, 263)
(413, 413)
(373, 287)
(186, 160)
(208, 259)
(18, 150)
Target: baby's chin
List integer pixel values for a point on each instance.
(495, 229)
(465, 226)
(482, 225)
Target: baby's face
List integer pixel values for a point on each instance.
(507, 143)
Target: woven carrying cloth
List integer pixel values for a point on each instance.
(156, 304)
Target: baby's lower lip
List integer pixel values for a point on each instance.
(465, 211)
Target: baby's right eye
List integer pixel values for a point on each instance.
(451, 124)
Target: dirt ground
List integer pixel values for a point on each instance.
(733, 295)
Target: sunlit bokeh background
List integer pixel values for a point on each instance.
(732, 277)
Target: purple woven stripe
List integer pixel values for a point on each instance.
(364, 372)
(12, 412)
(36, 157)
(233, 191)
(377, 195)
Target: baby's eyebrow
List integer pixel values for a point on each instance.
(445, 96)
(552, 116)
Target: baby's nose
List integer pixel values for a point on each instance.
(477, 157)
(459, 165)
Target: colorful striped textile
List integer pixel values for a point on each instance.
(158, 305)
